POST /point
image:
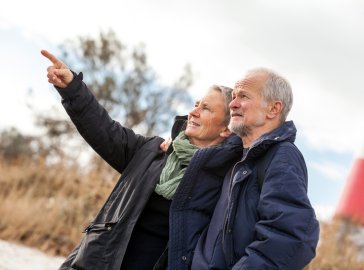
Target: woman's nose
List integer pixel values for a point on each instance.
(195, 112)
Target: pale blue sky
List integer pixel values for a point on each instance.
(317, 45)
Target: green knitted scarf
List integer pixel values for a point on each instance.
(176, 166)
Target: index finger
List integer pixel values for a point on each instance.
(50, 56)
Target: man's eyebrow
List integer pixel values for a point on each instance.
(238, 91)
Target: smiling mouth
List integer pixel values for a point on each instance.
(193, 124)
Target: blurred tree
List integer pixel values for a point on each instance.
(15, 146)
(124, 84)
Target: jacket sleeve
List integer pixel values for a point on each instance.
(288, 231)
(113, 142)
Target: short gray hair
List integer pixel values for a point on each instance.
(276, 88)
(227, 95)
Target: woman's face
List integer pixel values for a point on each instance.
(205, 124)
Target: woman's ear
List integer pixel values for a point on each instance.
(226, 133)
(274, 109)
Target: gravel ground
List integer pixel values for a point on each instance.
(17, 257)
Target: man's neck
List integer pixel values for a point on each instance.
(248, 139)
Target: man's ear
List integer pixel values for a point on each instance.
(226, 133)
(274, 109)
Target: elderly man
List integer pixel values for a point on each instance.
(263, 219)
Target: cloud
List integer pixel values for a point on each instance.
(324, 212)
(327, 121)
(317, 45)
(330, 170)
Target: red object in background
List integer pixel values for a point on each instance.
(351, 204)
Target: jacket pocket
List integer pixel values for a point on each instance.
(218, 257)
(92, 253)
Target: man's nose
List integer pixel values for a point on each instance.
(234, 103)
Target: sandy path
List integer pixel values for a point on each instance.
(17, 257)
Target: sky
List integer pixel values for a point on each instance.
(316, 45)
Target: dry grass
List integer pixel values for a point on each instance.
(336, 250)
(48, 206)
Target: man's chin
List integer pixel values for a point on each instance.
(237, 129)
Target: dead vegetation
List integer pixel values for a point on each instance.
(48, 206)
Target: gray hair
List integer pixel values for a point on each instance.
(276, 88)
(227, 95)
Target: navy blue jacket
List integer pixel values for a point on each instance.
(275, 228)
(140, 161)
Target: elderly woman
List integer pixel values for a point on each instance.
(162, 198)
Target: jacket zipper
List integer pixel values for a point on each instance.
(227, 232)
(98, 227)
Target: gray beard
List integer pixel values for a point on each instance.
(239, 130)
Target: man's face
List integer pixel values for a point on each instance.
(248, 108)
(206, 120)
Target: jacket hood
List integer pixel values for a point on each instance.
(180, 123)
(286, 132)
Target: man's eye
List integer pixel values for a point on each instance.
(243, 96)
